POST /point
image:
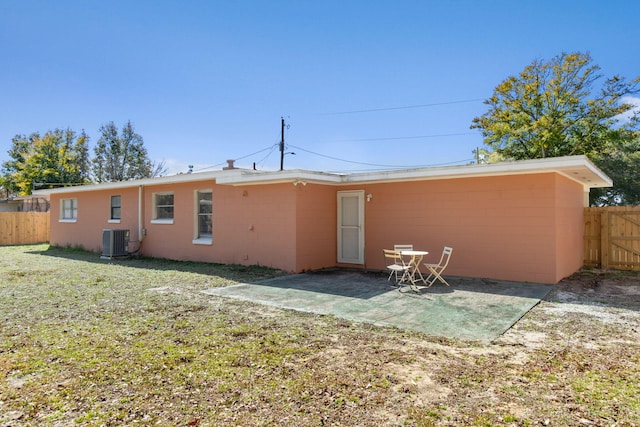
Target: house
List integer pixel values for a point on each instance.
(10, 205)
(520, 221)
(24, 204)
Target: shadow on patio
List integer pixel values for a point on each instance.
(471, 309)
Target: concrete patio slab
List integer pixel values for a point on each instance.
(471, 309)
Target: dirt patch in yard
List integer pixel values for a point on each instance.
(598, 308)
(88, 342)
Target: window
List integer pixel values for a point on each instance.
(68, 210)
(204, 217)
(115, 209)
(163, 208)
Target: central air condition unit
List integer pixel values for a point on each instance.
(114, 243)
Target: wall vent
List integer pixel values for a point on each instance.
(115, 243)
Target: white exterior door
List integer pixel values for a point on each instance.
(351, 227)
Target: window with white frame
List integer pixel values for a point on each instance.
(204, 216)
(68, 210)
(116, 208)
(163, 208)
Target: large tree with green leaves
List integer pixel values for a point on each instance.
(565, 107)
(622, 164)
(57, 158)
(121, 156)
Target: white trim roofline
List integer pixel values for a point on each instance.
(577, 168)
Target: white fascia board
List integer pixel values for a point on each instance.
(295, 176)
(576, 168)
(163, 180)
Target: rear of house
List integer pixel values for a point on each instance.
(513, 221)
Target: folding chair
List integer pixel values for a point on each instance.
(399, 249)
(395, 264)
(435, 270)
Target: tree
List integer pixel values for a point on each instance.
(484, 156)
(57, 158)
(120, 157)
(18, 152)
(554, 109)
(623, 167)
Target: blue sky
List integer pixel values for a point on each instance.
(362, 85)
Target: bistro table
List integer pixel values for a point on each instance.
(415, 258)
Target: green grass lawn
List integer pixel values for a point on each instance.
(85, 341)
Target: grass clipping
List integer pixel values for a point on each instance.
(86, 341)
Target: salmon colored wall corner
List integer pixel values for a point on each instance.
(569, 227)
(316, 229)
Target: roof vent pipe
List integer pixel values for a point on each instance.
(229, 165)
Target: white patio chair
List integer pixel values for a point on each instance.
(403, 247)
(435, 270)
(395, 265)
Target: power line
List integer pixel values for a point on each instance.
(264, 159)
(253, 154)
(340, 160)
(433, 165)
(375, 164)
(238, 158)
(404, 107)
(272, 148)
(391, 138)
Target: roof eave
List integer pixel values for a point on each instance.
(163, 180)
(576, 168)
(295, 176)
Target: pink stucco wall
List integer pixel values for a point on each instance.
(522, 227)
(93, 217)
(253, 225)
(569, 200)
(519, 227)
(316, 233)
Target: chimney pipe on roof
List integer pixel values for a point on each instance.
(229, 165)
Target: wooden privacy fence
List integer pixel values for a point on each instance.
(23, 228)
(612, 237)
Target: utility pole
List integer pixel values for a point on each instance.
(282, 145)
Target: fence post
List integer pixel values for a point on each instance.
(604, 239)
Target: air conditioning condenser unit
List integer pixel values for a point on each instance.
(115, 243)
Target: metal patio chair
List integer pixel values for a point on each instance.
(395, 265)
(435, 270)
